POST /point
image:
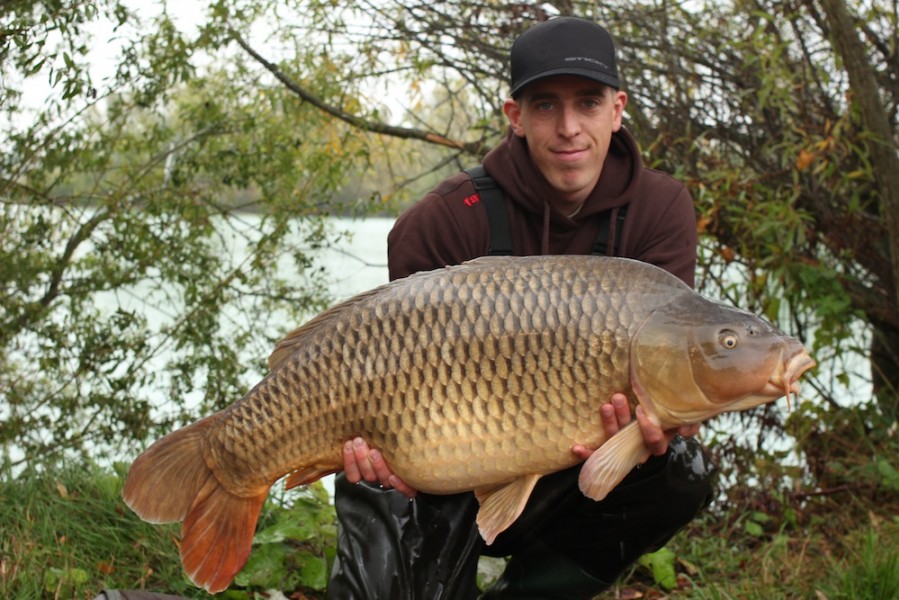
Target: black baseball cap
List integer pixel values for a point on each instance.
(563, 46)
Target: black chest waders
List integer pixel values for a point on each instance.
(564, 546)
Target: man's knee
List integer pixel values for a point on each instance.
(691, 476)
(640, 515)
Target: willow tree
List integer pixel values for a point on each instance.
(159, 224)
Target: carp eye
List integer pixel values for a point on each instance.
(728, 339)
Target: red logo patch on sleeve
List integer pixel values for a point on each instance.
(472, 200)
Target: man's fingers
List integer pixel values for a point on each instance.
(689, 430)
(350, 464)
(622, 409)
(361, 463)
(386, 476)
(581, 451)
(361, 452)
(615, 414)
(400, 486)
(381, 470)
(654, 437)
(609, 420)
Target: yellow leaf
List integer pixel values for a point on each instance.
(105, 568)
(804, 160)
(702, 225)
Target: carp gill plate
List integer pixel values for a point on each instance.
(477, 377)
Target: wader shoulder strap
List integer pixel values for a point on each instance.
(497, 216)
(601, 245)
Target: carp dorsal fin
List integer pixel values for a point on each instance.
(612, 462)
(502, 504)
(285, 347)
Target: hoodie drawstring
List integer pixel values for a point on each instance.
(613, 232)
(546, 216)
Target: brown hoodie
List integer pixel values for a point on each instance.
(449, 225)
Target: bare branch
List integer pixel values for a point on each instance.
(473, 148)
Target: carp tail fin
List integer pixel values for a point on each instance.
(164, 480)
(502, 504)
(217, 534)
(172, 482)
(612, 462)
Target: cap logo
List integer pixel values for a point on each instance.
(587, 59)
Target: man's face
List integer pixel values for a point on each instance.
(568, 123)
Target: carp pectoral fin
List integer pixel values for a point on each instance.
(612, 462)
(309, 475)
(217, 534)
(502, 504)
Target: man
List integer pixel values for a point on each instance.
(566, 169)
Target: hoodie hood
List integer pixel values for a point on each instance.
(510, 166)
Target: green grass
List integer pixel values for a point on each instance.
(826, 565)
(65, 533)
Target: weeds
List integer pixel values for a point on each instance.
(870, 569)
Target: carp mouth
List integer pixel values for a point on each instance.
(784, 381)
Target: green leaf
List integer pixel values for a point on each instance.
(282, 530)
(265, 567)
(661, 563)
(313, 570)
(754, 529)
(889, 473)
(64, 582)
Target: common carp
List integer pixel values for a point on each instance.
(480, 376)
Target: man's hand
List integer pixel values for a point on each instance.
(616, 413)
(363, 463)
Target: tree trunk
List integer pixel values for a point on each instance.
(885, 368)
(885, 160)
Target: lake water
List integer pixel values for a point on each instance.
(360, 263)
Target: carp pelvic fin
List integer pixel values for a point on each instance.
(502, 504)
(309, 475)
(612, 462)
(217, 534)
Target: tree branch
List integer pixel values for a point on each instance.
(473, 148)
